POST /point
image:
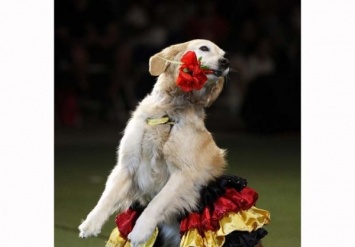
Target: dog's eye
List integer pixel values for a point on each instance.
(204, 48)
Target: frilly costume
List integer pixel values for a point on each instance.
(226, 216)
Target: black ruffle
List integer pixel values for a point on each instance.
(244, 239)
(136, 206)
(210, 193)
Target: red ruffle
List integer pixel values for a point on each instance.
(192, 220)
(125, 221)
(208, 219)
(245, 199)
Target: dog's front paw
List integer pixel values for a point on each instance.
(142, 231)
(89, 228)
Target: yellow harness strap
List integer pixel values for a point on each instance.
(156, 121)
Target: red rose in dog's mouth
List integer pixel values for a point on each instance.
(192, 75)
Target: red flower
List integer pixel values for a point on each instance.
(191, 76)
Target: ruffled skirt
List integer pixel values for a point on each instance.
(226, 216)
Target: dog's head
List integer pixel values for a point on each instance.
(212, 57)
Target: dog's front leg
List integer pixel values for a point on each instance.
(119, 183)
(117, 186)
(178, 194)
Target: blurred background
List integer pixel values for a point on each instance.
(102, 49)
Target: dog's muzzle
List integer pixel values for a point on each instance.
(223, 65)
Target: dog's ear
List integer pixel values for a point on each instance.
(215, 91)
(158, 63)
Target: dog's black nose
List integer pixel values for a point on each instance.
(223, 62)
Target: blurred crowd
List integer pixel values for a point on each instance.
(102, 49)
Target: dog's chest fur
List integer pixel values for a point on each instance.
(153, 171)
(153, 167)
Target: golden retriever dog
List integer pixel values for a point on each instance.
(164, 166)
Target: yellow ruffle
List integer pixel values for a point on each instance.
(116, 240)
(191, 238)
(248, 220)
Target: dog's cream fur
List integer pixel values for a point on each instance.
(162, 166)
